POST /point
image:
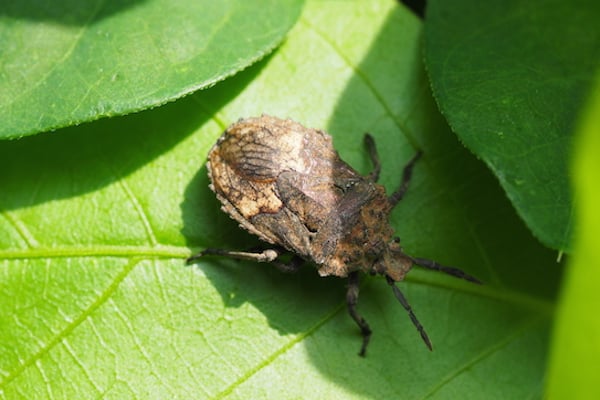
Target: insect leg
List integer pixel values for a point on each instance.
(370, 143)
(408, 309)
(351, 301)
(268, 256)
(430, 264)
(292, 266)
(406, 175)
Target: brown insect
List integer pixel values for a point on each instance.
(286, 184)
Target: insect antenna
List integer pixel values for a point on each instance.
(430, 264)
(409, 310)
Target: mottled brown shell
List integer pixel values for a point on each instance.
(287, 185)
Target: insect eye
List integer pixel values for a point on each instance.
(346, 184)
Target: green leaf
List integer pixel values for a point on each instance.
(510, 77)
(96, 300)
(576, 339)
(66, 62)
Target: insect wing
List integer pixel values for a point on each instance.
(274, 177)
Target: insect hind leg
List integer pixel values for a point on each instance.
(268, 256)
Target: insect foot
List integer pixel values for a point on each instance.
(286, 184)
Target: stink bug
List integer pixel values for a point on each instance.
(286, 184)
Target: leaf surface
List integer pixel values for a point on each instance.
(576, 338)
(96, 221)
(67, 62)
(510, 77)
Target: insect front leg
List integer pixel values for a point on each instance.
(406, 175)
(351, 301)
(268, 256)
(374, 155)
(410, 312)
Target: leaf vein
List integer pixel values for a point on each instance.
(279, 352)
(491, 350)
(158, 251)
(65, 56)
(140, 210)
(21, 229)
(357, 72)
(140, 346)
(81, 365)
(102, 298)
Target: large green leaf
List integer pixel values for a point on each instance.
(510, 76)
(96, 222)
(68, 61)
(575, 362)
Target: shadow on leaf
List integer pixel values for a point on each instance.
(66, 12)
